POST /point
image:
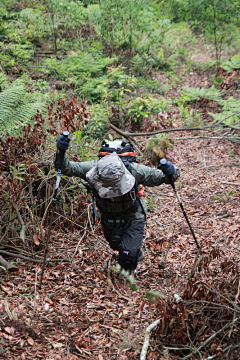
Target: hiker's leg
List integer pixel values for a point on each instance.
(113, 237)
(129, 248)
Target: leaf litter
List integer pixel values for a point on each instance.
(83, 312)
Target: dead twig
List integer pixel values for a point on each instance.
(147, 339)
(30, 259)
(79, 242)
(234, 315)
(231, 347)
(213, 336)
(24, 227)
(230, 183)
(196, 263)
(102, 240)
(7, 309)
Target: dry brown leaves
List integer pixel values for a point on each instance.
(82, 312)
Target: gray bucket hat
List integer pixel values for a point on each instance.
(110, 178)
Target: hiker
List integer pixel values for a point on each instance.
(115, 181)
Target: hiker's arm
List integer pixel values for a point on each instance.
(151, 176)
(73, 168)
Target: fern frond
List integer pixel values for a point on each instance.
(201, 93)
(16, 108)
(233, 64)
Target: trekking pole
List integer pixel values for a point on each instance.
(170, 176)
(54, 201)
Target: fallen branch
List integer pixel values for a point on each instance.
(204, 128)
(7, 265)
(28, 258)
(230, 183)
(234, 315)
(147, 338)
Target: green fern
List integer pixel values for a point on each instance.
(77, 65)
(95, 88)
(16, 108)
(193, 94)
(233, 64)
(230, 107)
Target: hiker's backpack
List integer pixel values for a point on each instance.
(123, 148)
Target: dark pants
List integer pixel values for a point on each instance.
(128, 241)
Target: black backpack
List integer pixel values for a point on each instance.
(123, 148)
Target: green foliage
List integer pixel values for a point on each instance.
(73, 12)
(233, 64)
(13, 53)
(112, 86)
(229, 108)
(226, 197)
(143, 63)
(16, 108)
(76, 65)
(192, 94)
(153, 295)
(18, 172)
(214, 17)
(144, 107)
(97, 126)
(119, 21)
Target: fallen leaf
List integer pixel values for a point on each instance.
(35, 239)
(57, 345)
(6, 290)
(46, 307)
(9, 330)
(30, 341)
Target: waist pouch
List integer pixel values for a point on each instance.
(116, 222)
(115, 226)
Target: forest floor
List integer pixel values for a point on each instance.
(83, 312)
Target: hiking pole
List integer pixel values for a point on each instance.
(54, 201)
(169, 174)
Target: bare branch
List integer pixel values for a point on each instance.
(28, 258)
(23, 229)
(204, 128)
(147, 338)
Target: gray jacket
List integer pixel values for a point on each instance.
(143, 175)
